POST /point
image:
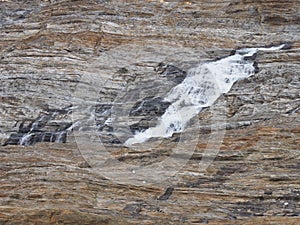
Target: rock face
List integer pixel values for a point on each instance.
(78, 78)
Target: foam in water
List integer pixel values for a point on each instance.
(201, 88)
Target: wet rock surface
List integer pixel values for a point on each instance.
(36, 131)
(114, 62)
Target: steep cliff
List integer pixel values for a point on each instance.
(79, 78)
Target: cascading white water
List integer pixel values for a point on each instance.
(201, 88)
(60, 136)
(25, 140)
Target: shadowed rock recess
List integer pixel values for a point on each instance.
(106, 70)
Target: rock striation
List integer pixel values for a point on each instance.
(80, 76)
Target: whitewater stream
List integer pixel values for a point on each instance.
(201, 88)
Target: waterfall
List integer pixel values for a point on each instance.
(201, 88)
(61, 137)
(26, 139)
(40, 130)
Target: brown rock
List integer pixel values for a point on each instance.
(96, 54)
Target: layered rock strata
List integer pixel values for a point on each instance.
(67, 61)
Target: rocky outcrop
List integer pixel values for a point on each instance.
(90, 74)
